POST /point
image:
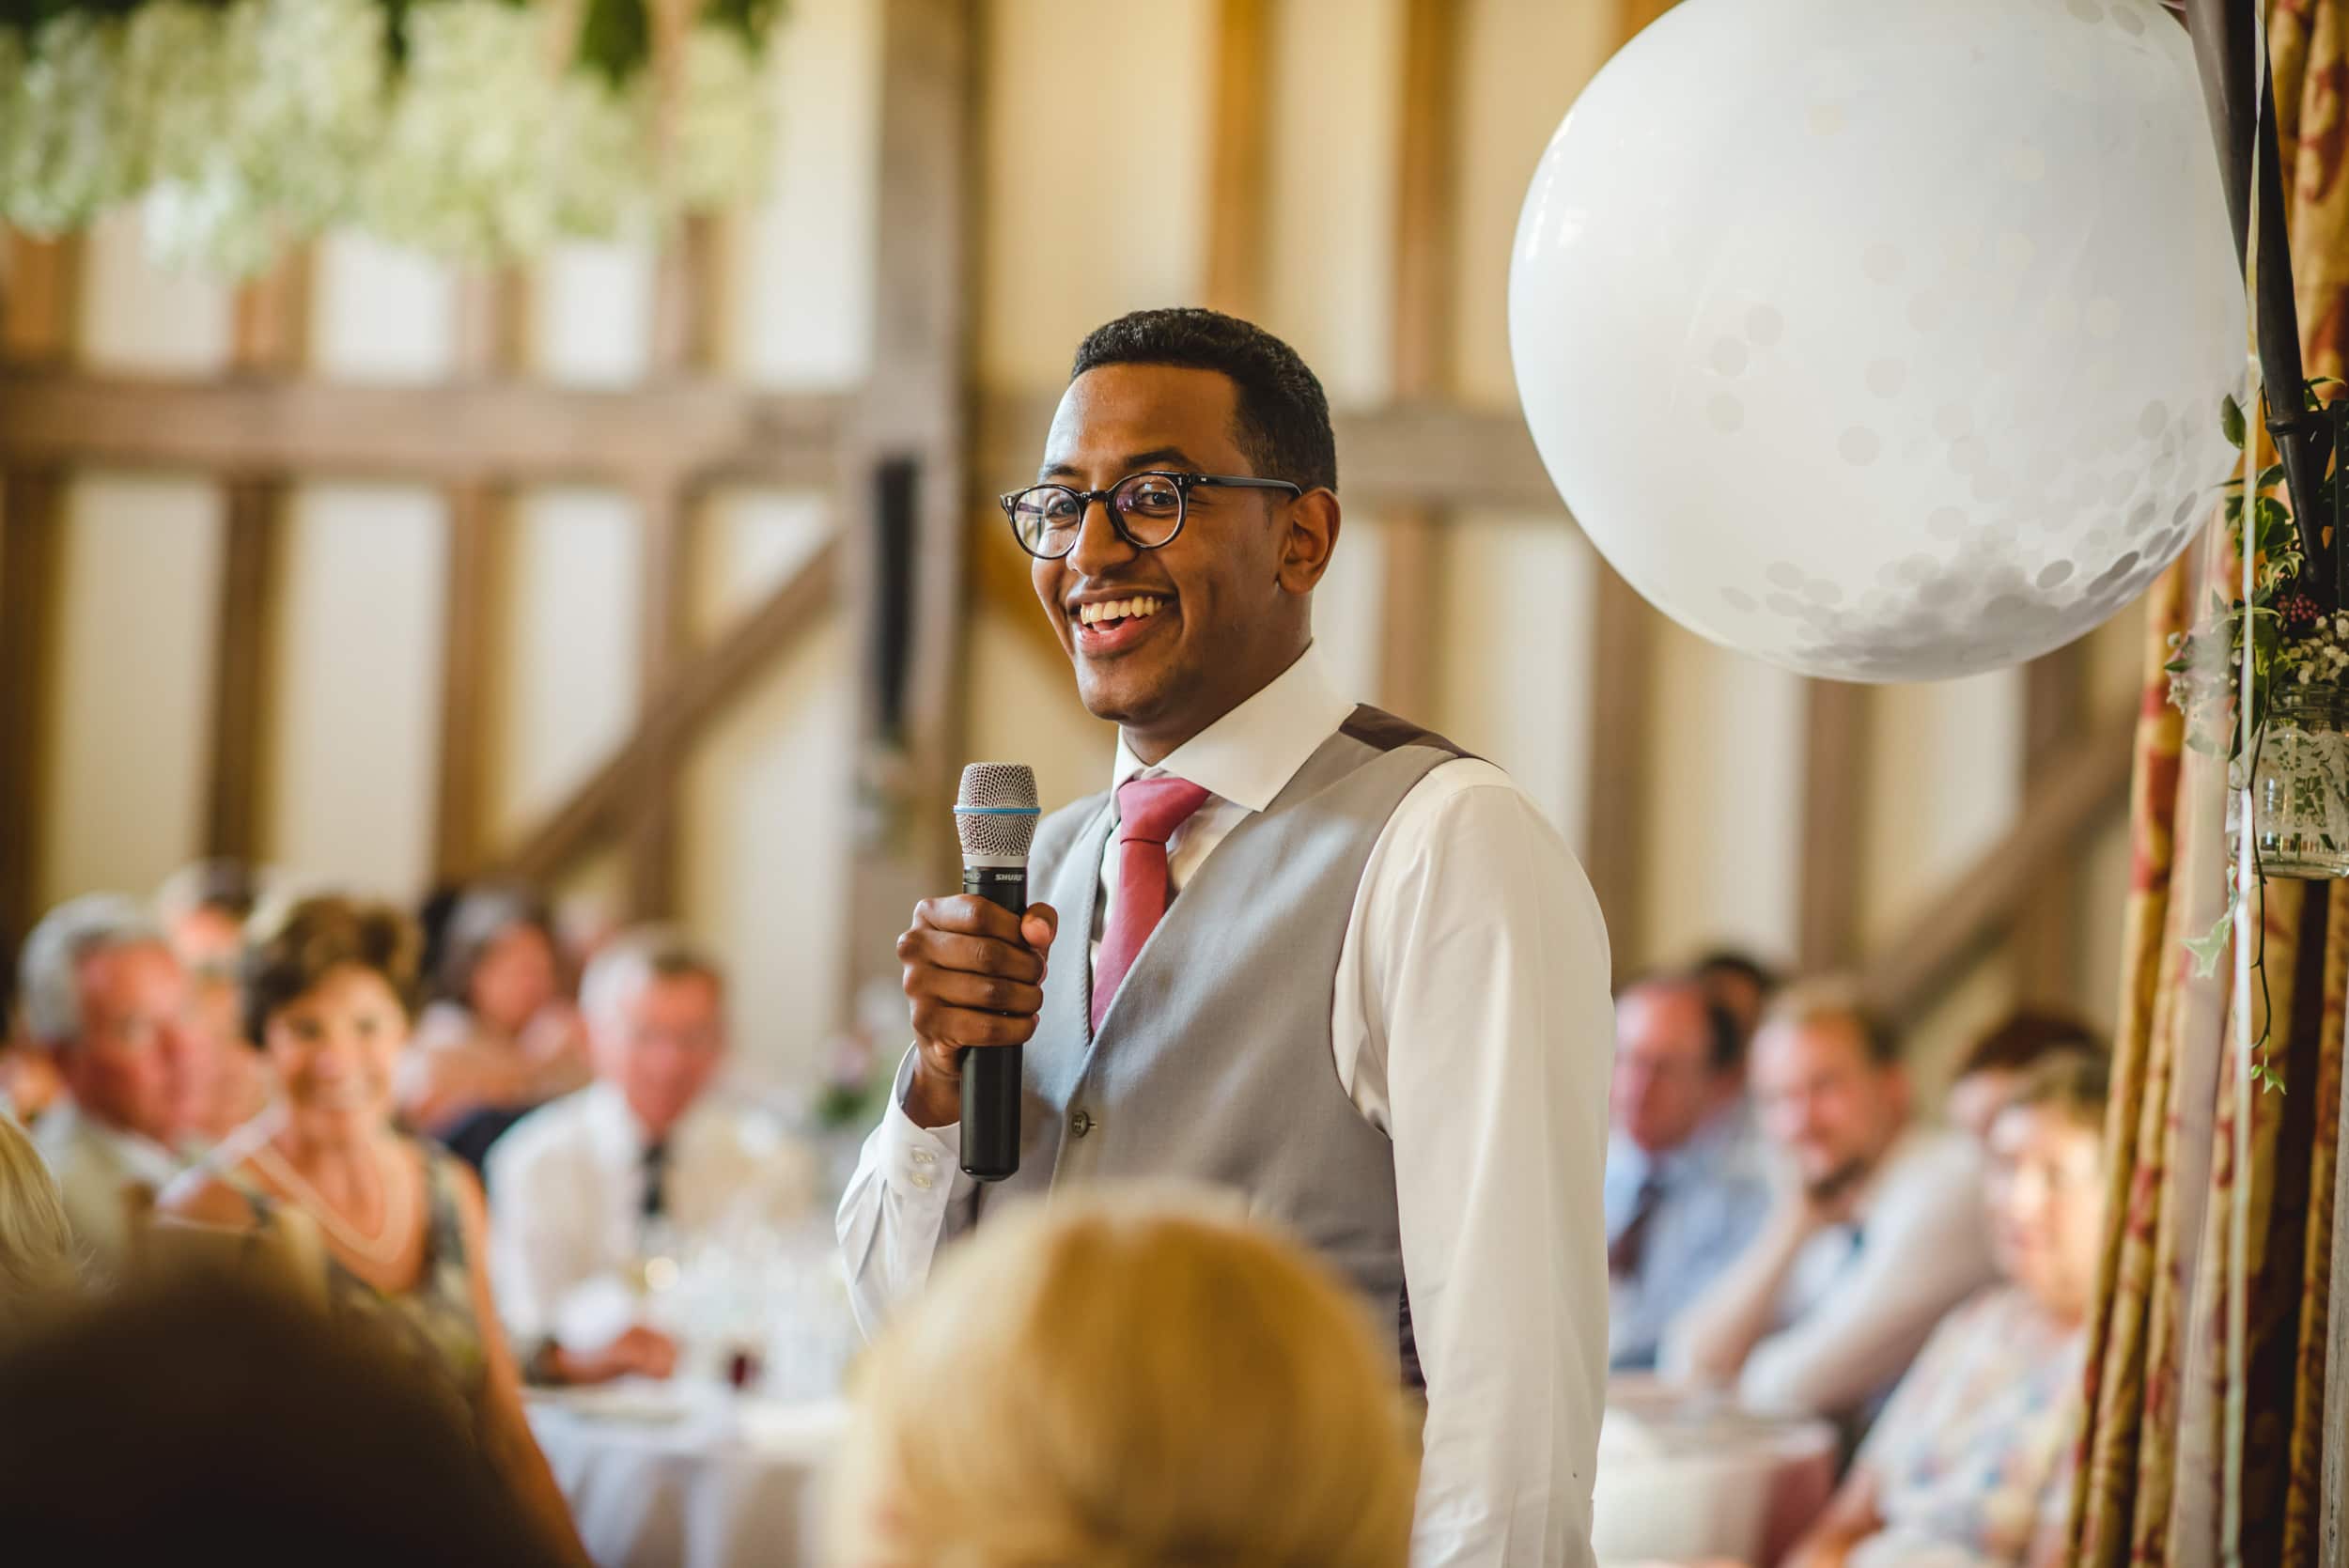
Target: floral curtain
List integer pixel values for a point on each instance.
(2164, 1404)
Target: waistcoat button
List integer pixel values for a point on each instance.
(1080, 1124)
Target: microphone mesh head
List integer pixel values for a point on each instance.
(995, 811)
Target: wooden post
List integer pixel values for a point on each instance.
(270, 338)
(684, 343)
(904, 486)
(1412, 594)
(1238, 162)
(1621, 678)
(2045, 945)
(41, 297)
(1834, 792)
(493, 311)
(32, 528)
(36, 312)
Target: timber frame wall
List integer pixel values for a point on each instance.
(900, 456)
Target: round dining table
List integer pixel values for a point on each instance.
(690, 1475)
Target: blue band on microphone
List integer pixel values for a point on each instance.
(998, 810)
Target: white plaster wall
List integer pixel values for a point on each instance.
(125, 780)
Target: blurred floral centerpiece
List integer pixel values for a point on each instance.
(474, 130)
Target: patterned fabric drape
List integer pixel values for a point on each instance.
(2150, 1489)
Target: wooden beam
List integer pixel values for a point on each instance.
(473, 599)
(271, 331)
(1632, 15)
(2044, 949)
(236, 793)
(1411, 593)
(2089, 778)
(472, 432)
(906, 483)
(684, 343)
(1425, 186)
(270, 338)
(32, 540)
(41, 300)
(1240, 158)
(1407, 453)
(493, 342)
(1623, 708)
(1835, 792)
(695, 695)
(662, 649)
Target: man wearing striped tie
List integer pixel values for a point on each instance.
(1299, 949)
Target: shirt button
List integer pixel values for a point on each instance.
(923, 1156)
(1080, 1124)
(922, 1179)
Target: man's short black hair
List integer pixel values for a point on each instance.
(1283, 421)
(1724, 1041)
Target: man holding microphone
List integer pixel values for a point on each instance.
(1301, 950)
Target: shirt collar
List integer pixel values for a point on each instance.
(1711, 1144)
(1249, 756)
(617, 1132)
(143, 1157)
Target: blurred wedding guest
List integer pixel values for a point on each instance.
(1740, 983)
(1972, 1460)
(1687, 1188)
(648, 1156)
(1117, 1380)
(1994, 1066)
(36, 1244)
(203, 909)
(205, 1418)
(103, 995)
(500, 1037)
(326, 994)
(1875, 1234)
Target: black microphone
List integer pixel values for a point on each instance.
(995, 815)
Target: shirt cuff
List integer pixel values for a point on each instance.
(918, 1161)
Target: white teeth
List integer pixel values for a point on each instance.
(1119, 609)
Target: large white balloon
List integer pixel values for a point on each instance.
(1884, 339)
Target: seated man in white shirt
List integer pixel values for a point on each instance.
(583, 1188)
(1877, 1233)
(103, 995)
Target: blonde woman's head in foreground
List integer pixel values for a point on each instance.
(36, 1247)
(1127, 1383)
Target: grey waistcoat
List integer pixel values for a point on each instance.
(1213, 1063)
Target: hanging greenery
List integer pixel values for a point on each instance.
(476, 130)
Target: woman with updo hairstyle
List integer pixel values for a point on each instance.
(500, 1035)
(1123, 1383)
(328, 989)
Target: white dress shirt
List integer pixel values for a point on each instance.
(1859, 1301)
(95, 1165)
(1471, 1023)
(567, 1190)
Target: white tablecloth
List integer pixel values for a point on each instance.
(1680, 1482)
(684, 1476)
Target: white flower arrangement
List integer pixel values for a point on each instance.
(476, 129)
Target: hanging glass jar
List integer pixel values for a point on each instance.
(2300, 783)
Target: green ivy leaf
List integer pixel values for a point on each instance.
(2230, 421)
(2208, 949)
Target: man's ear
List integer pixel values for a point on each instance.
(1313, 522)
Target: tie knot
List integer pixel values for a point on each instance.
(1151, 809)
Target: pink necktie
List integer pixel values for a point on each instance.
(1148, 812)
